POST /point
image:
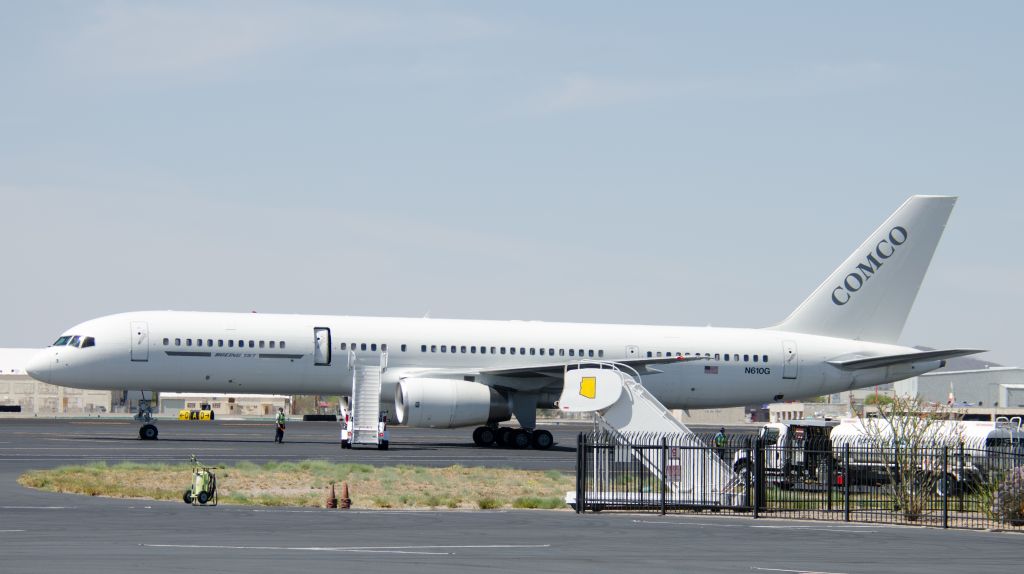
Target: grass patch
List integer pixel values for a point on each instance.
(304, 483)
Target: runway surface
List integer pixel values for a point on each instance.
(44, 532)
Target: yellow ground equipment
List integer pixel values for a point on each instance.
(203, 490)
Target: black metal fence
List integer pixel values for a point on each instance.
(948, 486)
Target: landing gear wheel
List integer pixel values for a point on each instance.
(187, 497)
(485, 436)
(542, 440)
(382, 445)
(518, 438)
(148, 432)
(502, 438)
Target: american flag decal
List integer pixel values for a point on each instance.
(709, 370)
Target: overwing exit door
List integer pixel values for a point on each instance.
(790, 360)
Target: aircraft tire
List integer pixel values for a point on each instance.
(518, 439)
(503, 435)
(148, 432)
(542, 440)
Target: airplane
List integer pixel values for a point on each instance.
(447, 373)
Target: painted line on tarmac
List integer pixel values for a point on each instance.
(2, 531)
(37, 507)
(98, 423)
(795, 571)
(428, 550)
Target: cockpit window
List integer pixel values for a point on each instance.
(62, 341)
(88, 342)
(75, 341)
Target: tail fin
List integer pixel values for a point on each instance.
(870, 295)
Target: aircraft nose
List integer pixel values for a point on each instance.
(39, 366)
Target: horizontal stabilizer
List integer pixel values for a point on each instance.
(859, 363)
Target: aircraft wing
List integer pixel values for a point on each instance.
(643, 366)
(856, 364)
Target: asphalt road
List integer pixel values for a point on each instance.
(45, 532)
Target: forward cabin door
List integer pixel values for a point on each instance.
(321, 346)
(140, 341)
(790, 361)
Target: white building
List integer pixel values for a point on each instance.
(36, 398)
(223, 404)
(995, 387)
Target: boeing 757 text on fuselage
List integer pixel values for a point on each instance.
(452, 373)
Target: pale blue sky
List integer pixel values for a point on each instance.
(668, 163)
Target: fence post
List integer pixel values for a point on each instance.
(755, 454)
(748, 474)
(664, 471)
(830, 465)
(846, 482)
(960, 466)
(945, 486)
(581, 472)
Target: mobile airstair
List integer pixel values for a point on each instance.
(365, 424)
(625, 412)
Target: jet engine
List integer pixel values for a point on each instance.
(448, 403)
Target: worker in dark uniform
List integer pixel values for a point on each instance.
(279, 435)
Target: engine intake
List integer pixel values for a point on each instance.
(448, 403)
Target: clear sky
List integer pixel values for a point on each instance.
(668, 163)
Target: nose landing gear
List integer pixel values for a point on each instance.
(148, 430)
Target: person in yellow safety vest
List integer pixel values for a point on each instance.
(721, 441)
(279, 435)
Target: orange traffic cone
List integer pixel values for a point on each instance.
(345, 502)
(332, 500)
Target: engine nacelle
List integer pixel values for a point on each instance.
(448, 403)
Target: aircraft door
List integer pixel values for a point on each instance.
(790, 361)
(140, 341)
(321, 346)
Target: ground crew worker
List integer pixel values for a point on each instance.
(720, 443)
(279, 435)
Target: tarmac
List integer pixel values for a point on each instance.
(48, 532)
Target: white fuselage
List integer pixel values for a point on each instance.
(309, 354)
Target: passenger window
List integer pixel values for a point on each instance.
(209, 342)
(716, 356)
(433, 348)
(533, 350)
(736, 358)
(383, 346)
(503, 350)
(220, 342)
(493, 349)
(650, 354)
(373, 346)
(746, 358)
(263, 344)
(542, 351)
(188, 342)
(572, 352)
(404, 347)
(199, 342)
(462, 349)
(88, 342)
(483, 350)
(658, 354)
(600, 352)
(513, 350)
(231, 343)
(423, 348)
(581, 352)
(344, 346)
(166, 341)
(551, 352)
(272, 344)
(726, 357)
(764, 358)
(561, 352)
(472, 349)
(281, 345)
(444, 348)
(522, 350)
(241, 343)
(755, 358)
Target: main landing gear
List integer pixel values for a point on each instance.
(513, 438)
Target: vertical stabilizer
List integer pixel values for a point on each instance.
(870, 295)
